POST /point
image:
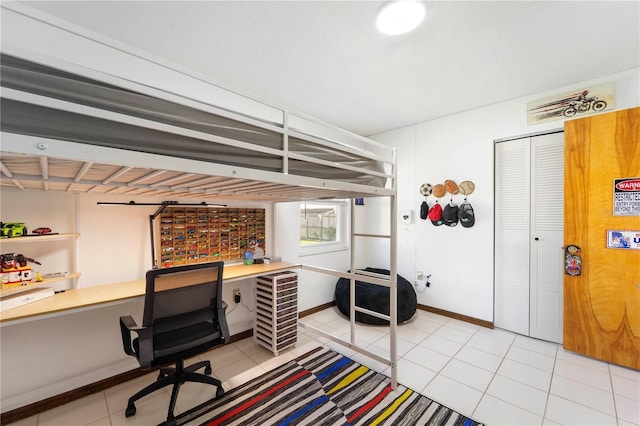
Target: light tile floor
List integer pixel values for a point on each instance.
(494, 376)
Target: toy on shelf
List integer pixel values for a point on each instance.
(14, 269)
(13, 229)
(42, 231)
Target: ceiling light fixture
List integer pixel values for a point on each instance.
(400, 17)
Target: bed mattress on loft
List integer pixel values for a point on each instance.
(37, 120)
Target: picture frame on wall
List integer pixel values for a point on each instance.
(584, 101)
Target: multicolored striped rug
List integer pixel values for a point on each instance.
(322, 387)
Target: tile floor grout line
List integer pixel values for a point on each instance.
(106, 403)
(613, 394)
(553, 369)
(439, 372)
(495, 373)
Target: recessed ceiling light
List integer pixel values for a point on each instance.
(401, 16)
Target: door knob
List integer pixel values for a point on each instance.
(536, 238)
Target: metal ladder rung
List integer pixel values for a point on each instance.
(373, 278)
(372, 235)
(372, 313)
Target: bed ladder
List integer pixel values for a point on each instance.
(390, 281)
(373, 278)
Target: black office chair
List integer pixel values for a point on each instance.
(184, 315)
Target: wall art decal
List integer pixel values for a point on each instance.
(585, 101)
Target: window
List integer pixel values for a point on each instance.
(323, 226)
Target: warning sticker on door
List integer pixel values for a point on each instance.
(626, 197)
(623, 239)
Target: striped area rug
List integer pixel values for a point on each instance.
(321, 388)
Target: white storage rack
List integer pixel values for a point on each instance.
(275, 323)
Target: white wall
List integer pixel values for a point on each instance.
(460, 147)
(56, 354)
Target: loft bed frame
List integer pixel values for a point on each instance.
(79, 123)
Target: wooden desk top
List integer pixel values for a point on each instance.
(87, 297)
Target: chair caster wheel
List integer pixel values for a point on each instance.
(219, 392)
(130, 411)
(207, 371)
(160, 377)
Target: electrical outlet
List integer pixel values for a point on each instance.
(236, 295)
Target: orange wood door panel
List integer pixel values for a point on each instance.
(602, 305)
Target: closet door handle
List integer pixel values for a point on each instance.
(536, 238)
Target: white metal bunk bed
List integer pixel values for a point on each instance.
(69, 125)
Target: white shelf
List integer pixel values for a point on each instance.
(6, 242)
(38, 238)
(46, 281)
(70, 275)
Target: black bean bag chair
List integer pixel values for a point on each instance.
(376, 298)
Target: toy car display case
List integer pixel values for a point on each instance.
(197, 235)
(275, 323)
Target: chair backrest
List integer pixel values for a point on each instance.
(180, 296)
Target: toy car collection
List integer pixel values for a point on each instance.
(19, 229)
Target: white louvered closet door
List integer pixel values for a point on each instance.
(547, 235)
(512, 235)
(528, 236)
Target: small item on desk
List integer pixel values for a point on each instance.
(258, 261)
(271, 259)
(248, 258)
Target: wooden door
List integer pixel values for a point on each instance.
(602, 305)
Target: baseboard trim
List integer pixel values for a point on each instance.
(316, 309)
(465, 318)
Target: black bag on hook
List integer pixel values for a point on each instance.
(424, 210)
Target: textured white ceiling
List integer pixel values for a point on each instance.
(326, 59)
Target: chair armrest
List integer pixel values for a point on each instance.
(127, 325)
(222, 322)
(145, 340)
